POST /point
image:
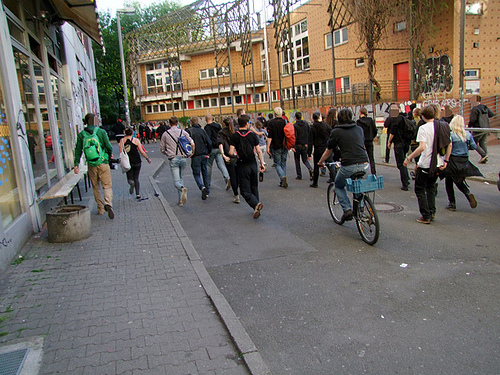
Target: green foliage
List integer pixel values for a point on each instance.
(108, 66)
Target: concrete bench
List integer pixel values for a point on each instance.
(65, 186)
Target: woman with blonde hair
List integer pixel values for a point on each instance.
(459, 167)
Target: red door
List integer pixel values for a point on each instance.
(403, 81)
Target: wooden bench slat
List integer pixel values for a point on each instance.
(64, 186)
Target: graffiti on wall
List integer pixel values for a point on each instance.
(497, 80)
(438, 75)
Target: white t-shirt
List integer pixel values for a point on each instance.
(426, 134)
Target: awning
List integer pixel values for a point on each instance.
(82, 14)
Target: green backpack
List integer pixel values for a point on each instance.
(92, 148)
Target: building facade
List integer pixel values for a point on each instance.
(303, 77)
(47, 85)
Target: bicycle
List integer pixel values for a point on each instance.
(364, 211)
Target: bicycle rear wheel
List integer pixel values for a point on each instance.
(334, 205)
(367, 221)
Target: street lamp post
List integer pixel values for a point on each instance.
(129, 11)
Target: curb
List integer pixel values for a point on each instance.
(240, 337)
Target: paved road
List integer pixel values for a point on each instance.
(316, 300)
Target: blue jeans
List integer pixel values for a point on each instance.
(279, 158)
(217, 156)
(199, 167)
(177, 165)
(344, 173)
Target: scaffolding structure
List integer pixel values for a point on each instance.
(197, 27)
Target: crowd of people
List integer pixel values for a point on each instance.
(439, 146)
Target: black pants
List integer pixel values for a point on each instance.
(249, 183)
(400, 151)
(461, 185)
(233, 176)
(369, 151)
(480, 139)
(318, 153)
(133, 176)
(425, 190)
(301, 153)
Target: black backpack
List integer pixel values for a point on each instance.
(408, 130)
(245, 152)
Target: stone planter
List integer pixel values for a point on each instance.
(68, 223)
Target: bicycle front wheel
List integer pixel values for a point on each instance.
(367, 221)
(334, 205)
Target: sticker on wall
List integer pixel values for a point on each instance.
(4, 158)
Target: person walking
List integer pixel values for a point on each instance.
(213, 128)
(480, 118)
(134, 150)
(459, 167)
(199, 160)
(93, 141)
(261, 133)
(169, 146)
(432, 137)
(318, 139)
(230, 160)
(275, 145)
(401, 147)
(370, 131)
(244, 143)
(301, 144)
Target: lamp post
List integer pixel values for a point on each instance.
(129, 11)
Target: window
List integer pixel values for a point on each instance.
(340, 36)
(360, 62)
(212, 72)
(475, 9)
(471, 74)
(149, 109)
(222, 101)
(213, 102)
(206, 103)
(197, 103)
(162, 107)
(299, 53)
(150, 67)
(238, 99)
(399, 26)
(274, 96)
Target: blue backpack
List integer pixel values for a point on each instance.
(183, 144)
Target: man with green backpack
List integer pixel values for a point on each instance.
(94, 143)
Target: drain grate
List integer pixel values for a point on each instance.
(388, 207)
(12, 362)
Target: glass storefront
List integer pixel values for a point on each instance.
(10, 205)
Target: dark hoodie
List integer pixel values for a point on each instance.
(301, 133)
(349, 138)
(369, 128)
(479, 116)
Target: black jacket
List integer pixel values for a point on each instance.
(202, 143)
(369, 128)
(318, 136)
(276, 132)
(479, 116)
(213, 130)
(349, 138)
(301, 133)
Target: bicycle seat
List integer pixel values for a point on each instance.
(357, 175)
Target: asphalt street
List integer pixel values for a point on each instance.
(315, 299)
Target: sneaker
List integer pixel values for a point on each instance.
(421, 220)
(184, 195)
(404, 188)
(228, 184)
(131, 189)
(256, 212)
(484, 159)
(109, 210)
(313, 185)
(311, 175)
(204, 193)
(451, 207)
(347, 216)
(137, 197)
(412, 175)
(236, 199)
(261, 176)
(180, 204)
(472, 200)
(285, 183)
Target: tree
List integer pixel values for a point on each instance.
(108, 67)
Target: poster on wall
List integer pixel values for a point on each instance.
(472, 87)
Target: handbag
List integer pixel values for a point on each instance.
(124, 161)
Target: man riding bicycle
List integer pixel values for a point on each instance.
(349, 138)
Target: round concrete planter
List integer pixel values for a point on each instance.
(68, 223)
